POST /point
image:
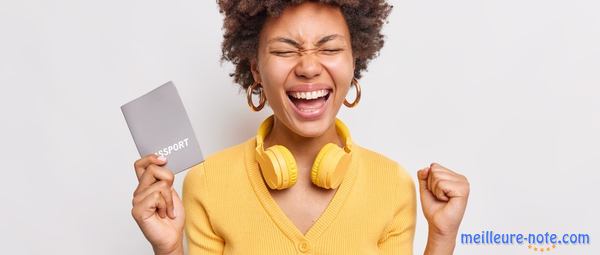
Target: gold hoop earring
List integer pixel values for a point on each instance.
(357, 99)
(249, 91)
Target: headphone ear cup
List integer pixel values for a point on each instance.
(314, 172)
(287, 170)
(330, 166)
(270, 168)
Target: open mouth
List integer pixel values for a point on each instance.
(309, 101)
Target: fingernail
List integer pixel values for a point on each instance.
(161, 158)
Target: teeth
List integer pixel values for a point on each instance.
(309, 94)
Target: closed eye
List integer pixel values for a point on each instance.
(331, 51)
(284, 53)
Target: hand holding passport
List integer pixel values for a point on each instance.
(161, 129)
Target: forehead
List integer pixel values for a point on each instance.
(306, 22)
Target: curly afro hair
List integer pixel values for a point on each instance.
(244, 20)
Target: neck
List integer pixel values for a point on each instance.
(304, 149)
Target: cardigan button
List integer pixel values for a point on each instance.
(303, 246)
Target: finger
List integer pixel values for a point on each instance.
(438, 166)
(168, 197)
(166, 192)
(439, 192)
(161, 205)
(437, 171)
(154, 174)
(148, 206)
(141, 164)
(176, 210)
(430, 180)
(453, 189)
(438, 176)
(422, 175)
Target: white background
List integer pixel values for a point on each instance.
(505, 92)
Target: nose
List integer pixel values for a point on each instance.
(308, 66)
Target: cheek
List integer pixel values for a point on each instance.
(342, 72)
(273, 75)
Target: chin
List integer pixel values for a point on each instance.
(312, 128)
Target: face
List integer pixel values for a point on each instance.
(305, 66)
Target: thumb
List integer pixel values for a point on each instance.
(426, 196)
(178, 205)
(422, 175)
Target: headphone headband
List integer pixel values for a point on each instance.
(263, 130)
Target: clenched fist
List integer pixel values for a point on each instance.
(444, 195)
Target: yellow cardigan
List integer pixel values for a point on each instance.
(229, 209)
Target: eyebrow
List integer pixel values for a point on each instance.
(298, 45)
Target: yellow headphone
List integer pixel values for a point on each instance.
(278, 165)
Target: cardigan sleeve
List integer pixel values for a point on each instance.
(399, 234)
(201, 237)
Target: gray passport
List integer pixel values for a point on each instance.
(159, 124)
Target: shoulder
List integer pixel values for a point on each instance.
(382, 165)
(387, 174)
(220, 167)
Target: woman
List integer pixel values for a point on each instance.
(301, 185)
